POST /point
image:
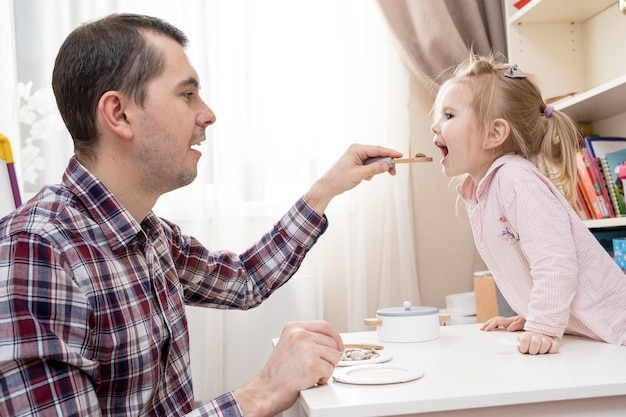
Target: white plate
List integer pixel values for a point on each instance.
(382, 357)
(376, 374)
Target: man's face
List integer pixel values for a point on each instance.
(172, 122)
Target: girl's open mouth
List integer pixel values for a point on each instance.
(443, 149)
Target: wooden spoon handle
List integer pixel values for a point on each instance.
(392, 161)
(363, 346)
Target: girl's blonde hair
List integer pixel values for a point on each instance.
(539, 133)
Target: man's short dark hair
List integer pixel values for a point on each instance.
(110, 54)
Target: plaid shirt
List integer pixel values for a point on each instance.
(92, 318)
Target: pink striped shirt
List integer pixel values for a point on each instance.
(547, 264)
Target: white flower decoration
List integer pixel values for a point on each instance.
(37, 110)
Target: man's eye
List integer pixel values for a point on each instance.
(188, 96)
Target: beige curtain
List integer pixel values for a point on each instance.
(437, 34)
(432, 36)
(8, 84)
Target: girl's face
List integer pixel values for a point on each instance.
(457, 133)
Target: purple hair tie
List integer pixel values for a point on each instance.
(548, 111)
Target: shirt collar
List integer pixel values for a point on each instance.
(119, 227)
(470, 192)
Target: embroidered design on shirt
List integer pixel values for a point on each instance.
(506, 233)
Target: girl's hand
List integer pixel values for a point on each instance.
(537, 344)
(529, 342)
(510, 324)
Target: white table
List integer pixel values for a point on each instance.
(467, 372)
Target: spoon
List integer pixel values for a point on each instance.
(419, 157)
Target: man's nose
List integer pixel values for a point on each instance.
(206, 117)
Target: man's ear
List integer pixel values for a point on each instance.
(111, 110)
(497, 134)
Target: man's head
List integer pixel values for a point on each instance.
(112, 53)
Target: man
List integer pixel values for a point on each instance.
(93, 284)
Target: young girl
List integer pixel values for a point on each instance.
(492, 125)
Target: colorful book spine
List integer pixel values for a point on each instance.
(586, 184)
(597, 177)
(612, 163)
(619, 208)
(581, 205)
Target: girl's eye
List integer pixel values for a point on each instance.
(448, 116)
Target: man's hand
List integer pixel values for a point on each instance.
(306, 355)
(347, 173)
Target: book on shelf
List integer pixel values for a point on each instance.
(612, 161)
(594, 167)
(594, 200)
(615, 207)
(598, 147)
(581, 205)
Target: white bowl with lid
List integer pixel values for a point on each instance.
(406, 324)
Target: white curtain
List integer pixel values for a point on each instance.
(8, 81)
(292, 83)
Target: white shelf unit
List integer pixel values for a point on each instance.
(598, 103)
(576, 49)
(556, 11)
(572, 47)
(606, 223)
